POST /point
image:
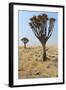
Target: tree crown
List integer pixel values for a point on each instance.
(42, 26)
(25, 40)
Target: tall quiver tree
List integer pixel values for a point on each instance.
(25, 41)
(42, 26)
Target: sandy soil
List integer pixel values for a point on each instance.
(31, 65)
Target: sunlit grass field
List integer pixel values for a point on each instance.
(31, 64)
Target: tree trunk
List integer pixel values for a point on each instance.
(24, 45)
(44, 52)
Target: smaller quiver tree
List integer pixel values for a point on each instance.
(25, 41)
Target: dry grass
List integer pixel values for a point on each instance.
(31, 64)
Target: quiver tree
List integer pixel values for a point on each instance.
(25, 41)
(42, 26)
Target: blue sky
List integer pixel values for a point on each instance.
(25, 30)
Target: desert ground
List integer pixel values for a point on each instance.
(31, 64)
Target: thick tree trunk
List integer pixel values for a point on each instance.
(44, 52)
(24, 45)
